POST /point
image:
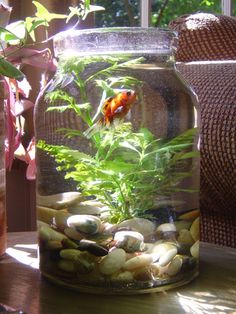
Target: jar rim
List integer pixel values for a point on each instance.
(111, 39)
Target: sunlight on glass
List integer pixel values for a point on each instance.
(205, 302)
(25, 254)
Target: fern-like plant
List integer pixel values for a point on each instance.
(128, 169)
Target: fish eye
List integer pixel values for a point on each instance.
(128, 93)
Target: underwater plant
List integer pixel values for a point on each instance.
(127, 168)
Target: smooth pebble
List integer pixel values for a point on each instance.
(142, 225)
(160, 249)
(130, 241)
(112, 262)
(84, 223)
(124, 276)
(92, 247)
(195, 230)
(46, 234)
(167, 257)
(84, 209)
(46, 214)
(185, 237)
(138, 261)
(60, 200)
(174, 266)
(73, 234)
(194, 250)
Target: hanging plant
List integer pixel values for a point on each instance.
(14, 54)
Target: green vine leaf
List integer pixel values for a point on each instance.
(43, 14)
(14, 33)
(9, 70)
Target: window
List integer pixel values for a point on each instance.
(156, 12)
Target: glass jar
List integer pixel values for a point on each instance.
(117, 164)
(3, 228)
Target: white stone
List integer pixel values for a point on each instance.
(61, 218)
(130, 241)
(194, 250)
(125, 276)
(160, 249)
(167, 257)
(138, 261)
(84, 223)
(182, 224)
(84, 208)
(46, 214)
(73, 234)
(142, 225)
(185, 237)
(60, 200)
(174, 266)
(195, 229)
(112, 262)
(167, 227)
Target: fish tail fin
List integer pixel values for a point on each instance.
(95, 128)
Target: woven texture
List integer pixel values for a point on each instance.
(213, 37)
(205, 36)
(215, 85)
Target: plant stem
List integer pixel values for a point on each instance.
(124, 201)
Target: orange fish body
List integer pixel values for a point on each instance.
(118, 106)
(114, 108)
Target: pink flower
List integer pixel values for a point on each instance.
(30, 159)
(28, 155)
(15, 106)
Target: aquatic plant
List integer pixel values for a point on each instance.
(128, 169)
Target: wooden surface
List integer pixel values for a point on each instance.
(21, 286)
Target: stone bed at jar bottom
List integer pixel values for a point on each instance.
(108, 287)
(79, 248)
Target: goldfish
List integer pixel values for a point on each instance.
(114, 108)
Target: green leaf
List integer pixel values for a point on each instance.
(31, 23)
(184, 137)
(87, 4)
(18, 29)
(118, 166)
(70, 132)
(129, 146)
(44, 14)
(57, 108)
(92, 8)
(77, 155)
(9, 70)
(191, 154)
(74, 11)
(85, 106)
(7, 36)
(14, 33)
(105, 87)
